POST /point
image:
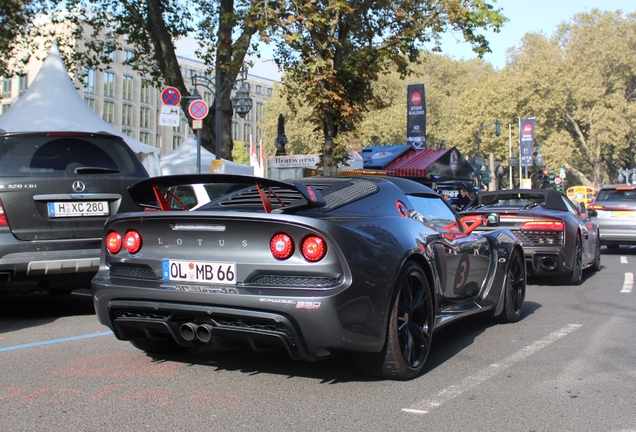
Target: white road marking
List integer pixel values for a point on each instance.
(623, 260)
(628, 285)
(468, 383)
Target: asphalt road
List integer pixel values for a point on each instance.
(568, 365)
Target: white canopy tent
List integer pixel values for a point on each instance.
(183, 160)
(52, 103)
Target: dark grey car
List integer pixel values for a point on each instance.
(56, 191)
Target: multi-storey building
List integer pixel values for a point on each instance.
(131, 104)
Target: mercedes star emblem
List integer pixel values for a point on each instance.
(78, 186)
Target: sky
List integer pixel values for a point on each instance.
(529, 17)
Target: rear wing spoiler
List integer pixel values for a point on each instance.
(153, 192)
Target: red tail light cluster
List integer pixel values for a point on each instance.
(131, 242)
(313, 248)
(543, 225)
(282, 246)
(3, 217)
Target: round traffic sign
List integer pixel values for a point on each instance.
(170, 96)
(198, 109)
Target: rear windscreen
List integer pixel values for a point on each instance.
(617, 195)
(27, 156)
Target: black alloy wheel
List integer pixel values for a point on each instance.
(410, 329)
(515, 288)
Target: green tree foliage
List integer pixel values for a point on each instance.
(224, 30)
(333, 50)
(17, 34)
(580, 85)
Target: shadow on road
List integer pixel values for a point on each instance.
(21, 311)
(447, 343)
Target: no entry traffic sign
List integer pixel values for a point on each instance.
(198, 109)
(170, 96)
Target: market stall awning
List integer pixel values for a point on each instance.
(445, 163)
(414, 163)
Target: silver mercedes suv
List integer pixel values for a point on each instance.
(56, 191)
(614, 210)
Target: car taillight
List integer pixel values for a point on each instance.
(314, 248)
(132, 241)
(402, 209)
(113, 242)
(281, 246)
(543, 226)
(3, 217)
(595, 207)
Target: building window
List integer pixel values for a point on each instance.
(144, 117)
(207, 97)
(89, 81)
(90, 102)
(259, 89)
(109, 84)
(127, 88)
(126, 115)
(23, 81)
(110, 53)
(144, 137)
(270, 91)
(180, 127)
(235, 131)
(6, 87)
(5, 107)
(259, 111)
(176, 141)
(259, 134)
(247, 131)
(108, 112)
(145, 91)
(126, 131)
(128, 56)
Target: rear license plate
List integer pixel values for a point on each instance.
(623, 214)
(78, 208)
(199, 271)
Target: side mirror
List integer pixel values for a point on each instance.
(492, 219)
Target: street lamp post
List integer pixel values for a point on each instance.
(513, 164)
(627, 173)
(479, 162)
(241, 102)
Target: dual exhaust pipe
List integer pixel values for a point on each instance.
(549, 263)
(191, 332)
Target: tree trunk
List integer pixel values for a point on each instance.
(330, 166)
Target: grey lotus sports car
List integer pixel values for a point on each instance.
(319, 266)
(559, 240)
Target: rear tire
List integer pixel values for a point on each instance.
(575, 277)
(515, 289)
(162, 346)
(409, 332)
(613, 247)
(597, 256)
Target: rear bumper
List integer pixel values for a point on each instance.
(618, 236)
(308, 325)
(546, 262)
(37, 261)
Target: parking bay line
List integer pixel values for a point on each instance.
(54, 341)
(628, 283)
(468, 383)
(623, 260)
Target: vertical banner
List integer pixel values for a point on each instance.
(526, 141)
(416, 116)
